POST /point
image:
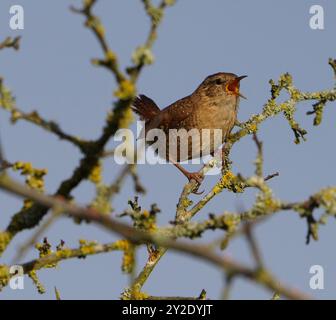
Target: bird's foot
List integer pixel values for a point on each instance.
(198, 178)
(195, 176)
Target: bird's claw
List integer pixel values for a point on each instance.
(198, 192)
(198, 178)
(195, 176)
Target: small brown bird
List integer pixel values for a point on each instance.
(213, 105)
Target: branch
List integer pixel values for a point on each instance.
(7, 102)
(94, 24)
(136, 236)
(288, 108)
(120, 117)
(11, 43)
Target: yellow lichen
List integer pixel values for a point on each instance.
(101, 202)
(64, 253)
(271, 204)
(27, 204)
(100, 30)
(126, 118)
(15, 115)
(6, 99)
(128, 257)
(96, 174)
(86, 250)
(34, 177)
(228, 181)
(145, 214)
(137, 295)
(128, 261)
(328, 198)
(4, 273)
(231, 221)
(110, 56)
(5, 238)
(126, 90)
(40, 288)
(122, 244)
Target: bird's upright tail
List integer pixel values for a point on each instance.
(145, 107)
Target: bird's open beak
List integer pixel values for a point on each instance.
(238, 80)
(233, 87)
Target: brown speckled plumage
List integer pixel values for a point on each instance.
(213, 105)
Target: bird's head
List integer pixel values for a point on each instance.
(221, 83)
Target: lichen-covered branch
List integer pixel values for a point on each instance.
(50, 259)
(144, 229)
(201, 251)
(11, 43)
(7, 102)
(265, 203)
(119, 117)
(93, 22)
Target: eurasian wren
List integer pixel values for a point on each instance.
(213, 105)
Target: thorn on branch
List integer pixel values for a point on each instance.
(271, 176)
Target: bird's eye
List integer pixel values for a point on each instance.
(218, 81)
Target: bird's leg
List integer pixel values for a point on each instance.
(190, 175)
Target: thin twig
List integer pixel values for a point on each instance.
(253, 245)
(11, 43)
(137, 236)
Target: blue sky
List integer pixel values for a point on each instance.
(263, 39)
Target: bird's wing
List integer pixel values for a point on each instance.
(145, 107)
(173, 116)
